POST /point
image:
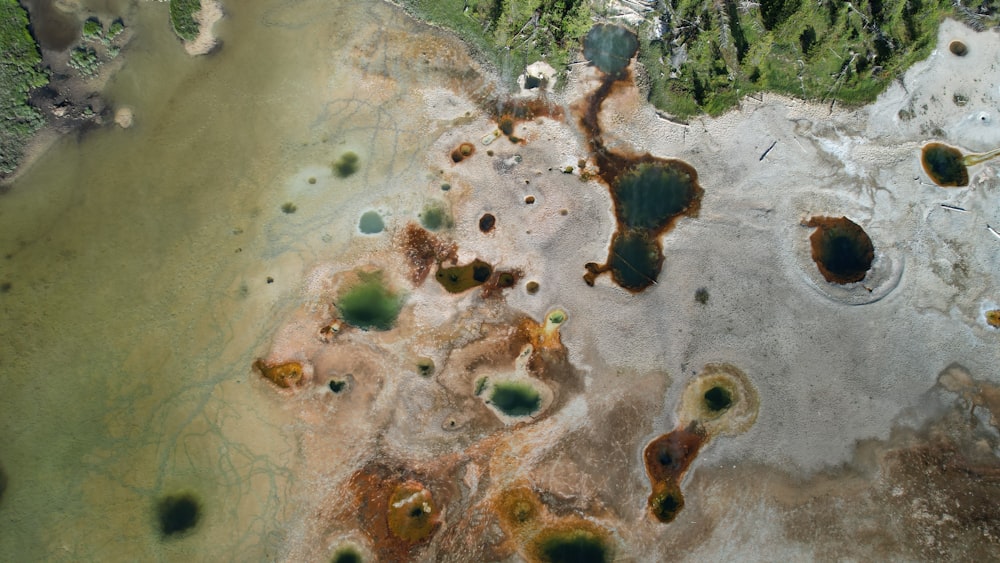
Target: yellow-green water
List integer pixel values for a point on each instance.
(138, 262)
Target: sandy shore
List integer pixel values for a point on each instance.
(211, 12)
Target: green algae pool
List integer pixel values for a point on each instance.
(573, 546)
(370, 304)
(514, 398)
(371, 223)
(610, 48)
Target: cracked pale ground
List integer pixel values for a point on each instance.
(138, 263)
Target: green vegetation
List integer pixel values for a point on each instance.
(93, 31)
(289, 208)
(515, 398)
(92, 28)
(513, 33)
(85, 60)
(182, 18)
(369, 304)
(481, 385)
(714, 53)
(20, 72)
(701, 295)
(115, 29)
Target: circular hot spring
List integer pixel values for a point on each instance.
(844, 258)
(958, 48)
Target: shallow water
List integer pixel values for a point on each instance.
(138, 262)
(54, 28)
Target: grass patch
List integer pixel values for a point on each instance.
(92, 29)
(85, 60)
(20, 72)
(182, 18)
(714, 53)
(115, 29)
(512, 34)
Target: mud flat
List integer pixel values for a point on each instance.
(837, 349)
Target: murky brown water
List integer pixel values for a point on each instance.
(53, 27)
(137, 262)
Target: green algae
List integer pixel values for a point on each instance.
(347, 555)
(506, 280)
(481, 385)
(435, 217)
(667, 504)
(371, 223)
(701, 295)
(369, 304)
(177, 514)
(457, 279)
(515, 398)
(574, 546)
(425, 367)
(346, 165)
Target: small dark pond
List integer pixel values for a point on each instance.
(610, 48)
(842, 250)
